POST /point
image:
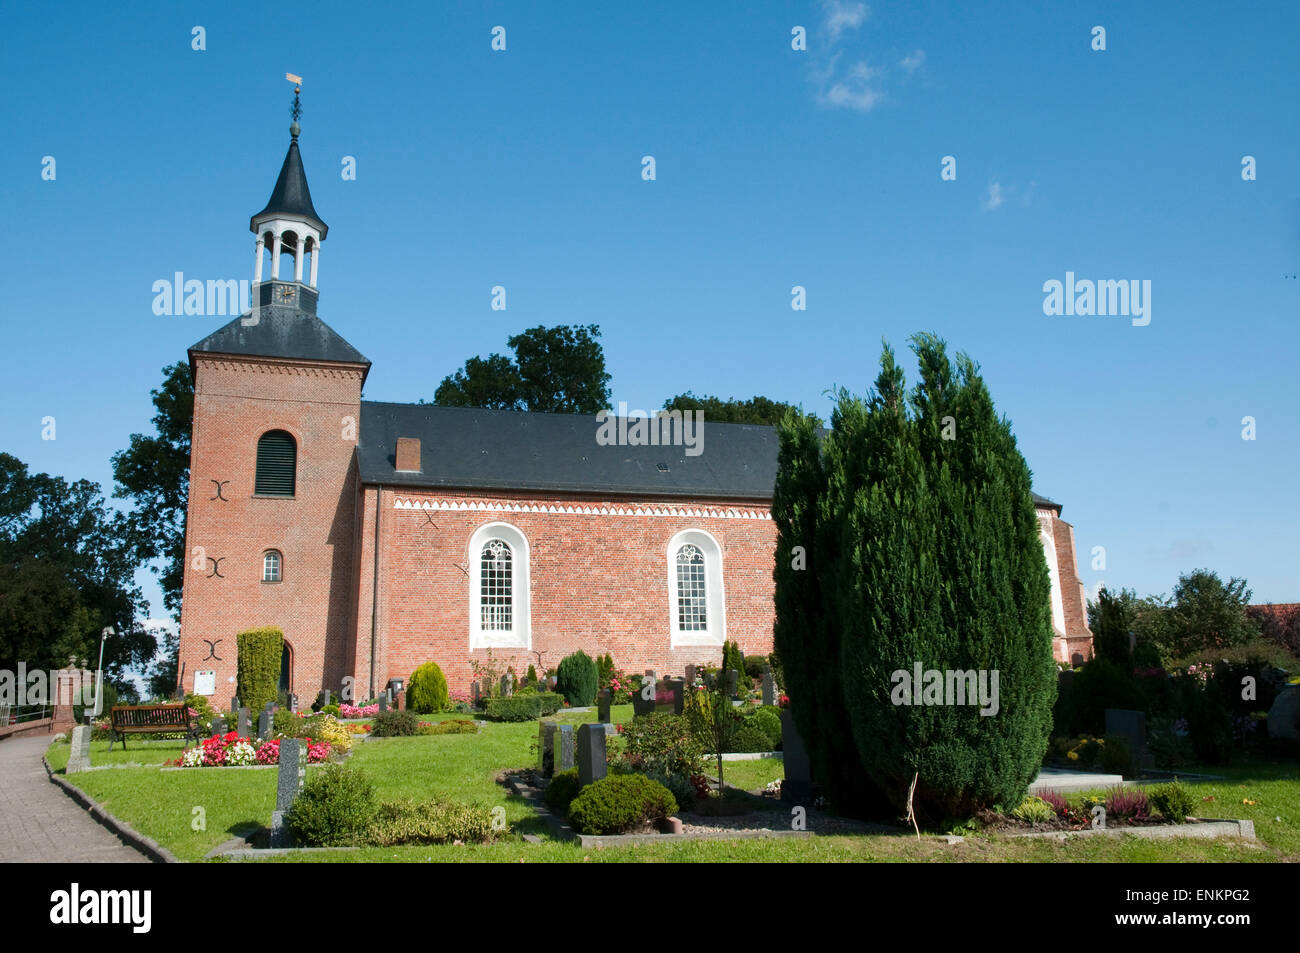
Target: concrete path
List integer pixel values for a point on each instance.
(41, 824)
(1059, 779)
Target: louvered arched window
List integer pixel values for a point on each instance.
(277, 459)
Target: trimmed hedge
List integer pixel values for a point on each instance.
(619, 803)
(524, 707)
(577, 679)
(395, 724)
(257, 679)
(427, 690)
(452, 726)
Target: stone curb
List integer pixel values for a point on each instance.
(125, 832)
(1207, 829)
(750, 756)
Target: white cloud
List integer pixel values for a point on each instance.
(910, 64)
(994, 198)
(842, 16)
(856, 90)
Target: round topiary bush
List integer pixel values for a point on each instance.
(427, 691)
(620, 803)
(564, 787)
(577, 678)
(769, 724)
(751, 738)
(334, 809)
(394, 724)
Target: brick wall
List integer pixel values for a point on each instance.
(235, 402)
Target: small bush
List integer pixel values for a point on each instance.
(452, 726)
(1115, 756)
(750, 738)
(1057, 801)
(427, 690)
(564, 787)
(429, 822)
(680, 786)
(620, 803)
(577, 679)
(526, 689)
(528, 707)
(334, 809)
(395, 724)
(661, 742)
(755, 665)
(1172, 801)
(732, 657)
(1128, 803)
(769, 724)
(1034, 810)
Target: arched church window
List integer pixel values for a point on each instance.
(692, 609)
(277, 459)
(696, 603)
(495, 587)
(272, 563)
(499, 589)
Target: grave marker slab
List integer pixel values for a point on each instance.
(219, 725)
(243, 722)
(546, 747)
(79, 756)
(264, 726)
(591, 753)
(602, 706)
(733, 682)
(565, 748)
(293, 767)
(1132, 727)
(797, 787)
(769, 689)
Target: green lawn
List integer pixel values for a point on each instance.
(162, 804)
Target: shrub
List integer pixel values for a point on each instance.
(620, 803)
(527, 707)
(318, 727)
(1115, 756)
(530, 677)
(751, 738)
(1098, 685)
(778, 672)
(564, 787)
(755, 665)
(770, 724)
(257, 679)
(1128, 803)
(395, 724)
(334, 809)
(577, 678)
(732, 657)
(429, 822)
(680, 786)
(426, 691)
(1173, 801)
(526, 689)
(1035, 810)
(662, 742)
(1057, 801)
(452, 726)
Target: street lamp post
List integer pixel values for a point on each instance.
(99, 675)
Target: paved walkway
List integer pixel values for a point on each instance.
(41, 824)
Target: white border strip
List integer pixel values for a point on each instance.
(633, 509)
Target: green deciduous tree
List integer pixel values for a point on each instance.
(558, 370)
(756, 410)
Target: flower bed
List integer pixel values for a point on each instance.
(363, 711)
(232, 751)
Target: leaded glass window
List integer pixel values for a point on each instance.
(691, 614)
(496, 604)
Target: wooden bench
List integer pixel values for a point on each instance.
(151, 720)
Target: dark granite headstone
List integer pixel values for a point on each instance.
(234, 703)
(383, 701)
(293, 703)
(676, 686)
(264, 726)
(219, 725)
(733, 682)
(474, 693)
(293, 767)
(1076, 659)
(797, 787)
(242, 722)
(591, 753)
(602, 706)
(565, 748)
(1132, 727)
(769, 689)
(690, 675)
(546, 747)
(641, 705)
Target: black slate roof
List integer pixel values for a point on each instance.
(281, 332)
(471, 448)
(291, 195)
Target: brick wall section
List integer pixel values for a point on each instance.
(1074, 599)
(235, 402)
(598, 583)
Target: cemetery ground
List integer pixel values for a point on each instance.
(464, 767)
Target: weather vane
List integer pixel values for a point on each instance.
(296, 110)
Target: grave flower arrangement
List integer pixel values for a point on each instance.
(354, 711)
(230, 751)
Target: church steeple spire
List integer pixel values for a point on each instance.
(289, 222)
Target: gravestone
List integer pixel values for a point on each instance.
(264, 726)
(234, 703)
(507, 685)
(690, 675)
(677, 686)
(79, 756)
(602, 706)
(1132, 727)
(733, 682)
(474, 694)
(641, 705)
(1076, 659)
(546, 747)
(242, 722)
(769, 689)
(293, 767)
(383, 701)
(219, 725)
(270, 708)
(326, 694)
(591, 753)
(565, 748)
(1284, 715)
(797, 787)
(293, 703)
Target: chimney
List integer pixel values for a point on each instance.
(408, 454)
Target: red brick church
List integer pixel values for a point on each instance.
(378, 536)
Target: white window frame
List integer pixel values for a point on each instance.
(279, 565)
(519, 637)
(715, 602)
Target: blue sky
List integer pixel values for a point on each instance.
(775, 168)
